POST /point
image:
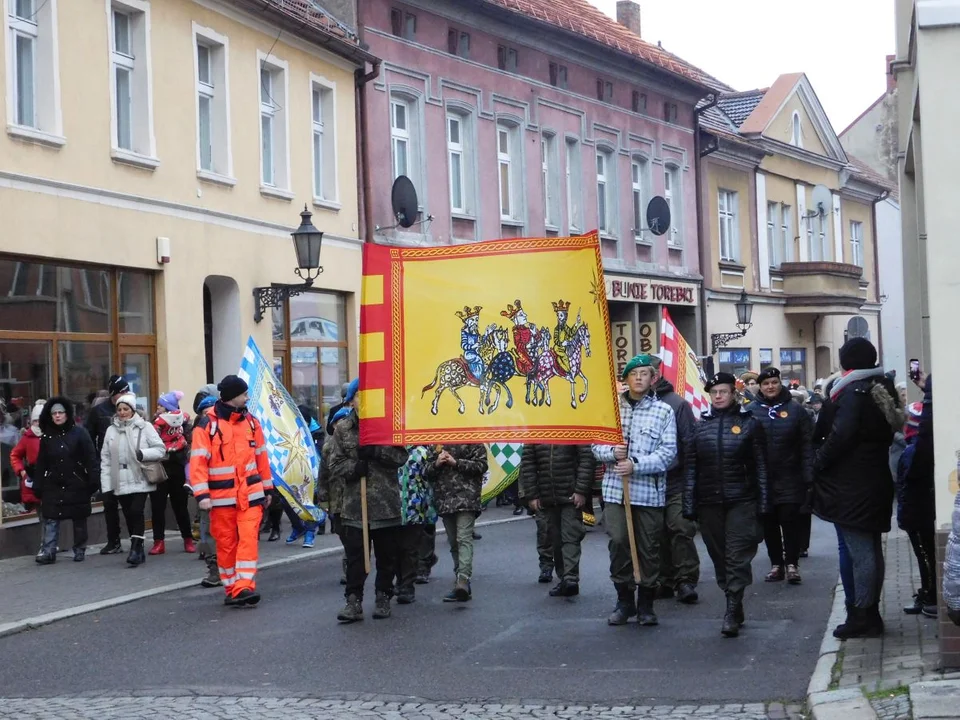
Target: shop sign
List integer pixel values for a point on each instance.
(648, 338)
(623, 345)
(643, 290)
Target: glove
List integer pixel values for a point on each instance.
(139, 455)
(362, 469)
(366, 452)
(954, 616)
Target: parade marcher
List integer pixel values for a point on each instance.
(173, 427)
(853, 488)
(650, 433)
(416, 502)
(544, 542)
(916, 499)
(230, 476)
(788, 432)
(679, 560)
(456, 474)
(751, 386)
(129, 442)
(348, 463)
(556, 480)
(23, 458)
(334, 409)
(330, 490)
(66, 475)
(205, 398)
(99, 420)
(726, 489)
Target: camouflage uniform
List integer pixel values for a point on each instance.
(347, 463)
(456, 492)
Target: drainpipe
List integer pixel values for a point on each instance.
(363, 150)
(698, 183)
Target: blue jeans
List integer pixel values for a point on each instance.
(865, 552)
(846, 568)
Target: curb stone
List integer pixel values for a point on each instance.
(18, 626)
(827, 704)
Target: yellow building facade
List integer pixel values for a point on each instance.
(156, 158)
(788, 218)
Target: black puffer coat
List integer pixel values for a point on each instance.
(725, 462)
(853, 487)
(68, 467)
(686, 424)
(788, 430)
(917, 509)
(553, 473)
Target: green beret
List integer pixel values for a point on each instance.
(635, 362)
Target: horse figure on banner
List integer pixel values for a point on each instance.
(500, 368)
(547, 366)
(496, 367)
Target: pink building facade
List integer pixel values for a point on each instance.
(513, 127)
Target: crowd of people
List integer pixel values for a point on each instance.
(751, 469)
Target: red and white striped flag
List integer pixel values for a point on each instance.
(681, 368)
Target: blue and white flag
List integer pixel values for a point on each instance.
(293, 456)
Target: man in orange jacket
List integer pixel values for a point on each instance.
(230, 477)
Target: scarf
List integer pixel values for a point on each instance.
(852, 377)
(35, 429)
(122, 426)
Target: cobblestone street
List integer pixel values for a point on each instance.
(230, 708)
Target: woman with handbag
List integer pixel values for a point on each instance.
(172, 425)
(130, 467)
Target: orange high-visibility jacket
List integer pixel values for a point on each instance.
(229, 459)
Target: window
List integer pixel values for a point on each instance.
(33, 80)
(403, 24)
(405, 139)
(458, 43)
(729, 226)
(506, 58)
(213, 107)
(551, 181)
(396, 22)
(274, 172)
(324, 137)
(508, 162)
(796, 132)
(639, 102)
(786, 227)
(817, 238)
(409, 26)
(604, 90)
(670, 112)
(672, 194)
(638, 173)
(773, 234)
(574, 193)
(793, 366)
(766, 358)
(607, 193)
(455, 148)
(735, 361)
(130, 80)
(558, 75)
(856, 243)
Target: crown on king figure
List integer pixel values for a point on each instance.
(468, 313)
(560, 305)
(511, 311)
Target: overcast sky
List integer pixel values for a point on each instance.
(839, 44)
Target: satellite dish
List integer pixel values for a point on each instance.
(658, 215)
(822, 201)
(404, 199)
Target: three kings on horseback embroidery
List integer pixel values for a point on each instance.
(489, 362)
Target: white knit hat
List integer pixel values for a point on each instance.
(128, 399)
(37, 409)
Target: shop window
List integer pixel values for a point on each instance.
(735, 361)
(313, 355)
(793, 366)
(766, 358)
(38, 297)
(135, 291)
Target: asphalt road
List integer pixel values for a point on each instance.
(511, 642)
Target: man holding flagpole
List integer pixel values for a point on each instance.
(634, 492)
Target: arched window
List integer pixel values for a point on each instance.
(796, 137)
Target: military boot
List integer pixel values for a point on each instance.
(645, 614)
(213, 574)
(731, 628)
(381, 609)
(626, 607)
(352, 611)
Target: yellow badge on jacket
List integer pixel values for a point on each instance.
(736, 430)
(784, 413)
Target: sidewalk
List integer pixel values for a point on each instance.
(36, 595)
(876, 677)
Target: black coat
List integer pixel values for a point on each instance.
(853, 487)
(917, 510)
(68, 467)
(725, 462)
(788, 430)
(686, 425)
(553, 473)
(99, 420)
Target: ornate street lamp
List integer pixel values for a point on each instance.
(306, 243)
(744, 322)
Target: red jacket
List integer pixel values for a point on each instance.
(23, 457)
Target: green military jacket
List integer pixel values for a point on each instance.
(457, 488)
